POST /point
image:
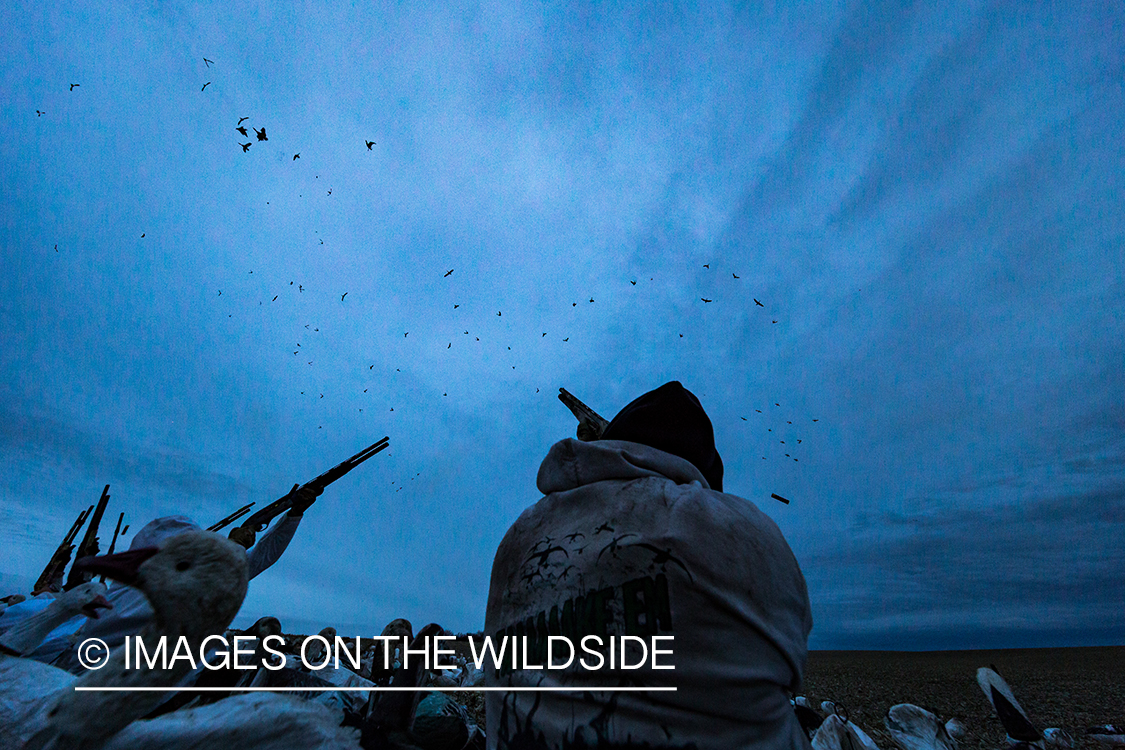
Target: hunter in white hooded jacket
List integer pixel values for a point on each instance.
(632, 540)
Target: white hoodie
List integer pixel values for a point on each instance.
(631, 540)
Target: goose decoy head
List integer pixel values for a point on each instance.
(195, 580)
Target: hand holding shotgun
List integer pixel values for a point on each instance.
(301, 496)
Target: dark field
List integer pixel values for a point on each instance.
(1072, 688)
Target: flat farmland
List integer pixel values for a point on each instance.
(1071, 688)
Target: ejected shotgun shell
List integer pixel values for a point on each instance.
(776, 496)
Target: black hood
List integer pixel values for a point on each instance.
(671, 419)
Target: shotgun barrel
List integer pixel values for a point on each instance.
(89, 544)
(116, 531)
(261, 518)
(231, 518)
(51, 577)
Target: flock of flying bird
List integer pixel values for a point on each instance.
(787, 440)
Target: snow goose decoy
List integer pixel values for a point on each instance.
(315, 652)
(914, 728)
(26, 684)
(195, 583)
(26, 635)
(228, 677)
(837, 733)
(1008, 710)
(247, 721)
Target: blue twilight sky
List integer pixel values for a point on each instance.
(927, 199)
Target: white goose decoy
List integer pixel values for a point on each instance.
(1011, 714)
(1059, 738)
(247, 721)
(838, 734)
(195, 583)
(315, 652)
(25, 636)
(955, 729)
(25, 684)
(914, 728)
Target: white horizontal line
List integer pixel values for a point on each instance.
(323, 689)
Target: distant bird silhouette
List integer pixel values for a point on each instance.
(296, 157)
(345, 294)
(567, 338)
(450, 345)
(274, 298)
(243, 131)
(775, 321)
(369, 144)
(591, 299)
(544, 334)
(245, 147)
(743, 419)
(706, 265)
(206, 85)
(816, 420)
(633, 282)
(498, 313)
(73, 85)
(220, 292)
(447, 273)
(38, 112)
(456, 306)
(261, 134)
(372, 367)
(209, 63)
(759, 304)
(406, 334)
(240, 119)
(705, 299)
(735, 275)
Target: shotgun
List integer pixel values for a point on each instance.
(116, 531)
(261, 518)
(51, 577)
(89, 544)
(591, 425)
